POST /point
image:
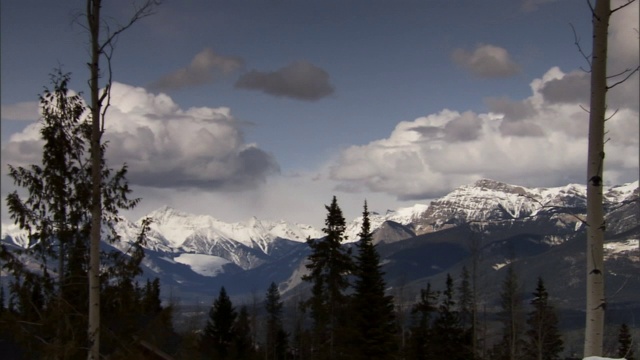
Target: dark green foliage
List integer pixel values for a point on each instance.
(420, 342)
(373, 311)
(56, 214)
(625, 348)
(511, 316)
(465, 300)
(543, 340)
(448, 337)
(218, 335)
(243, 347)
(276, 338)
(329, 266)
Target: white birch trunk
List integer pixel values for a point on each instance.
(93, 23)
(596, 303)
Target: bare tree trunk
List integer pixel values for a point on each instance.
(93, 22)
(596, 302)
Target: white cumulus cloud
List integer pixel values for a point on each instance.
(533, 142)
(165, 145)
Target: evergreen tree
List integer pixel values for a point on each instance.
(420, 339)
(543, 340)
(465, 300)
(467, 311)
(243, 346)
(625, 349)
(218, 334)
(329, 264)
(449, 340)
(276, 346)
(511, 316)
(373, 311)
(56, 214)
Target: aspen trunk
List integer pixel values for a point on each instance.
(596, 302)
(93, 22)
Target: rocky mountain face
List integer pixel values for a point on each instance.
(488, 223)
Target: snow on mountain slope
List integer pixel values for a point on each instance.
(493, 200)
(206, 265)
(176, 229)
(404, 216)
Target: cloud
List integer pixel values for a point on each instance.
(299, 80)
(166, 146)
(486, 61)
(532, 142)
(22, 111)
(205, 68)
(571, 88)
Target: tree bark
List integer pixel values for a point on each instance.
(93, 22)
(596, 303)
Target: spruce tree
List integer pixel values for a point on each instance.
(420, 339)
(467, 311)
(625, 348)
(55, 211)
(218, 335)
(243, 347)
(449, 340)
(373, 311)
(329, 265)
(511, 316)
(276, 346)
(543, 340)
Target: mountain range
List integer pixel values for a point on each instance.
(483, 226)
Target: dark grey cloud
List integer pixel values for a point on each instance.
(205, 68)
(520, 128)
(428, 132)
(512, 110)
(299, 80)
(572, 88)
(466, 127)
(486, 61)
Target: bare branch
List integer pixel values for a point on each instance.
(593, 11)
(145, 10)
(625, 78)
(612, 115)
(629, 2)
(576, 41)
(107, 89)
(585, 109)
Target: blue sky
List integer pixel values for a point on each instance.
(269, 108)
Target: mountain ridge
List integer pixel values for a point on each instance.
(191, 251)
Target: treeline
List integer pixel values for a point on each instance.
(348, 314)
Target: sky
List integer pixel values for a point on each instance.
(269, 108)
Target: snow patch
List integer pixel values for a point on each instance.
(205, 265)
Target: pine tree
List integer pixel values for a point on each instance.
(449, 340)
(420, 339)
(55, 211)
(467, 311)
(243, 347)
(511, 316)
(625, 349)
(276, 346)
(465, 300)
(218, 335)
(543, 340)
(329, 264)
(373, 311)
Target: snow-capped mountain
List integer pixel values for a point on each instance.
(193, 253)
